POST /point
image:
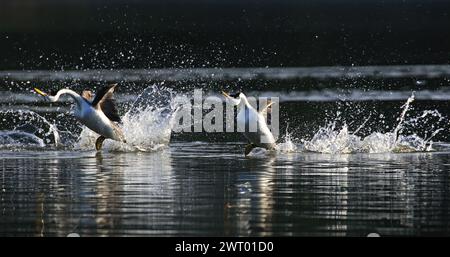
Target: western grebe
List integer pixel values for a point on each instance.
(98, 112)
(262, 136)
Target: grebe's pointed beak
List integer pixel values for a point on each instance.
(40, 92)
(226, 95)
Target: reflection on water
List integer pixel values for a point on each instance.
(209, 188)
(204, 189)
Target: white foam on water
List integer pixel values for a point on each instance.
(148, 124)
(288, 145)
(332, 140)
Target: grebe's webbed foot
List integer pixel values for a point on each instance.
(249, 148)
(99, 142)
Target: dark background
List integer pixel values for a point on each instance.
(112, 34)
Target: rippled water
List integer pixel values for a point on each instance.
(349, 165)
(211, 189)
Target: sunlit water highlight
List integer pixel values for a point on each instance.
(382, 172)
(331, 140)
(149, 120)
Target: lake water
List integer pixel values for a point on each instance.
(353, 158)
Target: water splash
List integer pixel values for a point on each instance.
(288, 145)
(147, 125)
(19, 139)
(330, 139)
(24, 128)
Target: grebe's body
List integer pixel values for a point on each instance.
(247, 118)
(97, 113)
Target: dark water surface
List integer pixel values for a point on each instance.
(211, 189)
(364, 89)
(200, 184)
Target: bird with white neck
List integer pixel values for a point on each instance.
(248, 117)
(98, 113)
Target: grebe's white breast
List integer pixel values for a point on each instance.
(96, 121)
(247, 118)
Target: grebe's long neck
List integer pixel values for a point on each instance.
(76, 97)
(244, 103)
(80, 102)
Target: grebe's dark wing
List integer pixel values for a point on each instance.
(104, 100)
